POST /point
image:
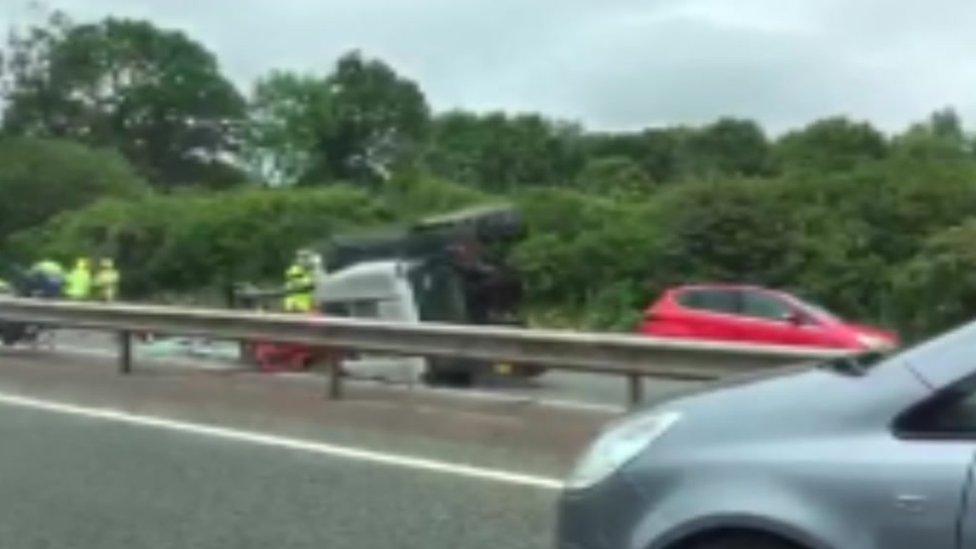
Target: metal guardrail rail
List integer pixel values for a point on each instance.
(631, 356)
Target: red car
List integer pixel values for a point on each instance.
(756, 315)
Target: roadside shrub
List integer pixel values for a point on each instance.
(592, 258)
(184, 242)
(40, 178)
(936, 289)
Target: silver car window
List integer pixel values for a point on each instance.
(951, 413)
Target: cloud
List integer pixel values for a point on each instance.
(610, 64)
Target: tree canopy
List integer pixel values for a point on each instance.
(360, 123)
(155, 95)
(500, 152)
(41, 178)
(284, 114)
(830, 145)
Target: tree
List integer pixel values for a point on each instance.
(829, 145)
(280, 135)
(946, 123)
(659, 156)
(616, 176)
(410, 196)
(41, 178)
(654, 150)
(370, 121)
(940, 138)
(498, 152)
(361, 123)
(735, 231)
(153, 94)
(587, 258)
(728, 147)
(936, 289)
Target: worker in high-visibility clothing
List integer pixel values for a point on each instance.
(299, 288)
(78, 283)
(106, 281)
(300, 285)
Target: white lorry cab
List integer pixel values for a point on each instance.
(373, 290)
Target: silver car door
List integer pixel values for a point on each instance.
(922, 489)
(939, 444)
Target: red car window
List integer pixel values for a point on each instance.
(765, 306)
(716, 301)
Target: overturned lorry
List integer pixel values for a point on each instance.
(449, 268)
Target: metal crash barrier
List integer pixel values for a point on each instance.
(629, 356)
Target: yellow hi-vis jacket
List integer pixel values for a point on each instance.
(78, 283)
(107, 283)
(299, 288)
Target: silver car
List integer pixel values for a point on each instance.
(854, 454)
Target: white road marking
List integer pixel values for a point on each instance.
(263, 439)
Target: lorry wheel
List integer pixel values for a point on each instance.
(453, 379)
(447, 373)
(529, 371)
(10, 336)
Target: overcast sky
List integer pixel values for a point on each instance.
(609, 64)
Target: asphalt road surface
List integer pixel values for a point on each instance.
(78, 482)
(191, 458)
(193, 451)
(73, 481)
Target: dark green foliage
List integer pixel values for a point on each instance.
(186, 242)
(39, 178)
(617, 176)
(280, 135)
(183, 242)
(842, 240)
(726, 148)
(362, 123)
(829, 145)
(941, 139)
(497, 152)
(409, 197)
(936, 290)
(591, 257)
(729, 147)
(155, 95)
(373, 122)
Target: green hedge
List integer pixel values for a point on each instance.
(41, 177)
(887, 242)
(844, 240)
(183, 242)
